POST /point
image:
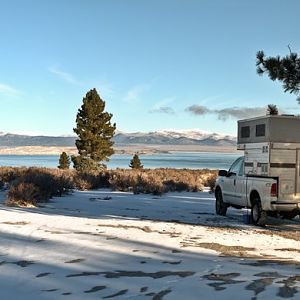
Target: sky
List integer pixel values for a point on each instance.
(157, 64)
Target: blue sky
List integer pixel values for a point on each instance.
(171, 64)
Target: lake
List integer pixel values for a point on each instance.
(179, 160)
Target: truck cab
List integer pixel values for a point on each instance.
(259, 193)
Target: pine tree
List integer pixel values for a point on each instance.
(285, 69)
(272, 110)
(95, 133)
(135, 163)
(64, 161)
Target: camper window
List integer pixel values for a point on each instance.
(245, 132)
(261, 130)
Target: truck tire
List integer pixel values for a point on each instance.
(221, 207)
(259, 216)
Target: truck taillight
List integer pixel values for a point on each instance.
(274, 190)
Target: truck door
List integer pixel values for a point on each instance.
(229, 183)
(240, 186)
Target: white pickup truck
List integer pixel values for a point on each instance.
(260, 193)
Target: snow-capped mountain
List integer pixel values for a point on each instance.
(162, 137)
(176, 137)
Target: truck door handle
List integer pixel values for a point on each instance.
(234, 181)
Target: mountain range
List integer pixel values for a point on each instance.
(163, 137)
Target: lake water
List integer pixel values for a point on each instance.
(179, 160)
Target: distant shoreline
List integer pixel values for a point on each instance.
(119, 149)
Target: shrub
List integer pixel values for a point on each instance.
(89, 181)
(38, 185)
(55, 182)
(23, 194)
(160, 180)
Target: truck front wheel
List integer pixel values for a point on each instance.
(259, 216)
(221, 207)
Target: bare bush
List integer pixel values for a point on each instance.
(159, 181)
(23, 194)
(55, 182)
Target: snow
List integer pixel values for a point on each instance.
(114, 245)
(195, 134)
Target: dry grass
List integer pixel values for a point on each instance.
(159, 181)
(33, 185)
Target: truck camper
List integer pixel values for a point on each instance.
(267, 177)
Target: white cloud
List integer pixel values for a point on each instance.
(8, 90)
(68, 77)
(133, 95)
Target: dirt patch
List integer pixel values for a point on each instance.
(73, 261)
(259, 285)
(268, 274)
(43, 275)
(288, 249)
(280, 230)
(56, 232)
(221, 280)
(100, 198)
(23, 263)
(144, 289)
(235, 251)
(122, 292)
(88, 233)
(172, 262)
(95, 289)
(146, 229)
(155, 275)
(268, 262)
(288, 290)
(161, 294)
(84, 274)
(16, 223)
(287, 234)
(118, 274)
(176, 251)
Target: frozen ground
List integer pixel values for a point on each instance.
(112, 245)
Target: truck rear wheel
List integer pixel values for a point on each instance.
(259, 216)
(221, 207)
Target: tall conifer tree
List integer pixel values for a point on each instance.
(95, 132)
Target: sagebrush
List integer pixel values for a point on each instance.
(35, 185)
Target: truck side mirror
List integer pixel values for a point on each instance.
(222, 173)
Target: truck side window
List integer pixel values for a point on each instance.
(236, 166)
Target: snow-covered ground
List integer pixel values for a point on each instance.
(113, 245)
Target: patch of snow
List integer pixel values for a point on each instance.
(101, 244)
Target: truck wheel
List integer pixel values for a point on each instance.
(221, 207)
(259, 216)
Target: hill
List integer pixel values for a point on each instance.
(164, 137)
